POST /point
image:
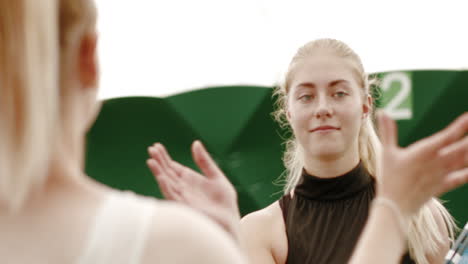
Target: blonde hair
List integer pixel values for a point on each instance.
(33, 37)
(424, 234)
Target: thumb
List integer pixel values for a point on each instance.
(204, 161)
(387, 129)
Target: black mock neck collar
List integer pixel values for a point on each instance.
(336, 188)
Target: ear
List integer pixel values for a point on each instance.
(87, 61)
(367, 106)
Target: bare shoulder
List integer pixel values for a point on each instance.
(266, 218)
(264, 231)
(180, 235)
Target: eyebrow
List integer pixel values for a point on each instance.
(330, 84)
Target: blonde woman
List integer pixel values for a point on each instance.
(50, 211)
(331, 171)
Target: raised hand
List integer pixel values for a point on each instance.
(407, 179)
(211, 193)
(431, 166)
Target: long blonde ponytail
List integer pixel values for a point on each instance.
(28, 94)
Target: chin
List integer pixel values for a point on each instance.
(329, 156)
(327, 153)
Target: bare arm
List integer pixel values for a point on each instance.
(382, 241)
(254, 239)
(384, 230)
(407, 179)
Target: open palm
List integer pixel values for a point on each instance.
(429, 167)
(211, 193)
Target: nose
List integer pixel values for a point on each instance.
(324, 109)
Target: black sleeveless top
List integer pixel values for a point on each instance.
(326, 216)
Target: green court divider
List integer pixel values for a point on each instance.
(235, 124)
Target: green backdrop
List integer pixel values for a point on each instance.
(235, 124)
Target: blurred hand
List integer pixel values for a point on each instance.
(432, 166)
(211, 193)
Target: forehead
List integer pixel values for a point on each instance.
(323, 69)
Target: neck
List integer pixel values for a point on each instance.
(66, 167)
(63, 177)
(329, 167)
(66, 179)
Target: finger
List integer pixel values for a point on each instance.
(387, 129)
(160, 178)
(454, 180)
(175, 167)
(455, 156)
(154, 167)
(170, 191)
(381, 126)
(451, 133)
(204, 161)
(165, 157)
(152, 151)
(173, 187)
(392, 130)
(168, 179)
(156, 156)
(180, 176)
(161, 156)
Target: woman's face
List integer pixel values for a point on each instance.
(326, 106)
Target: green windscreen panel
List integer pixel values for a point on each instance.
(235, 124)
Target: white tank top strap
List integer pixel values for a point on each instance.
(120, 230)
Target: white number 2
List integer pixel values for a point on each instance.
(393, 107)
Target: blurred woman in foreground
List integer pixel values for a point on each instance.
(50, 211)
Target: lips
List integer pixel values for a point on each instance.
(324, 128)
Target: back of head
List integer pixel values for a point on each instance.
(34, 37)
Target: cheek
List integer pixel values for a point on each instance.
(298, 118)
(349, 110)
(352, 113)
(294, 123)
(352, 108)
(352, 121)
